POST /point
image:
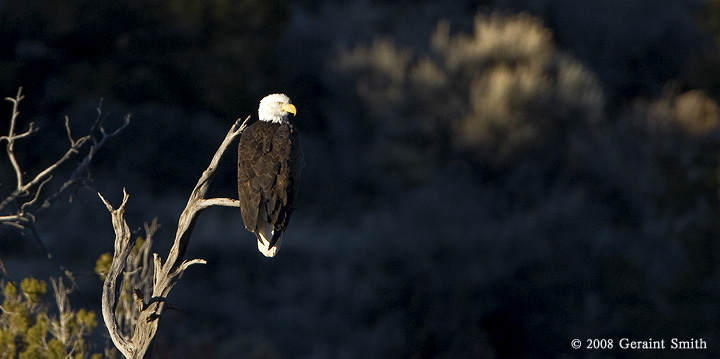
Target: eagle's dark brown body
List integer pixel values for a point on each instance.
(269, 165)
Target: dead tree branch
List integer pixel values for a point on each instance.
(23, 189)
(15, 208)
(97, 143)
(20, 208)
(166, 275)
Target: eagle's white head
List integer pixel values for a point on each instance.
(275, 108)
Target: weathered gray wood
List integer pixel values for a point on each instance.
(122, 249)
(166, 275)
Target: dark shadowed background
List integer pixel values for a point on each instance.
(484, 179)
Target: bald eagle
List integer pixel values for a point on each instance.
(269, 165)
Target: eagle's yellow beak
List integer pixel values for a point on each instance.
(289, 108)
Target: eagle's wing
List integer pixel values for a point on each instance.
(269, 165)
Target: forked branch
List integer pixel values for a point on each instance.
(26, 194)
(20, 207)
(166, 275)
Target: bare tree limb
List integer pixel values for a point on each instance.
(34, 186)
(19, 209)
(85, 163)
(166, 275)
(14, 220)
(37, 196)
(188, 217)
(224, 202)
(122, 249)
(137, 281)
(3, 270)
(22, 188)
(11, 137)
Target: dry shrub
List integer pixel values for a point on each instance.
(692, 113)
(494, 93)
(497, 116)
(496, 38)
(519, 85)
(384, 84)
(696, 113)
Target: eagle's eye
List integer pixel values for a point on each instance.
(279, 103)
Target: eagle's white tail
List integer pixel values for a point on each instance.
(265, 233)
